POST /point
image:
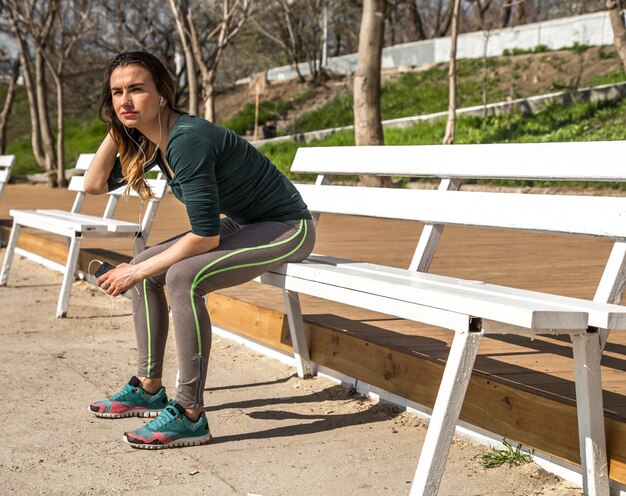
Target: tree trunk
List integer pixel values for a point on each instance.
(208, 95)
(416, 26)
(619, 31)
(61, 179)
(29, 84)
(180, 12)
(448, 139)
(8, 105)
(44, 119)
(368, 129)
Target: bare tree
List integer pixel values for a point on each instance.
(619, 31)
(448, 139)
(209, 49)
(71, 23)
(181, 12)
(295, 26)
(31, 24)
(368, 129)
(8, 104)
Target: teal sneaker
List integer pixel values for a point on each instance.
(131, 401)
(171, 429)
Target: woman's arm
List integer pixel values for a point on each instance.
(125, 276)
(98, 173)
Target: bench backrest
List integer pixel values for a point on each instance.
(158, 187)
(587, 215)
(6, 166)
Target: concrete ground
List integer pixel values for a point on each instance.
(274, 434)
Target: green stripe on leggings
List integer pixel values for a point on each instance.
(145, 297)
(197, 280)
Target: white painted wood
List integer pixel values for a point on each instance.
(532, 315)
(586, 161)
(158, 187)
(68, 277)
(446, 412)
(613, 282)
(402, 309)
(8, 256)
(587, 355)
(588, 215)
(84, 161)
(431, 234)
(6, 166)
(602, 315)
(74, 225)
(298, 339)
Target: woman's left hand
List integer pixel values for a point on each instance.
(119, 280)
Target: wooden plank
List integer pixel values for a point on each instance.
(588, 161)
(419, 292)
(588, 215)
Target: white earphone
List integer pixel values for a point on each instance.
(160, 101)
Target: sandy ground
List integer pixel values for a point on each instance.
(274, 434)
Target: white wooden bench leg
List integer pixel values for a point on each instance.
(446, 412)
(298, 338)
(8, 256)
(587, 356)
(68, 276)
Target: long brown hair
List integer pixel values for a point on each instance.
(131, 156)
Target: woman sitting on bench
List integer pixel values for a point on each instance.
(212, 171)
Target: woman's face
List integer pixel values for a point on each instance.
(134, 96)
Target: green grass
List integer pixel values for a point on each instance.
(583, 121)
(509, 455)
(268, 111)
(400, 98)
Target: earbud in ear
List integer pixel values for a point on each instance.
(160, 101)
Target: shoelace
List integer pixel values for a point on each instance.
(165, 417)
(125, 390)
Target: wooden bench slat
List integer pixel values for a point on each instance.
(111, 225)
(532, 315)
(158, 187)
(602, 315)
(589, 215)
(584, 161)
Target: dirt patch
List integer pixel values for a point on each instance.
(274, 434)
(516, 76)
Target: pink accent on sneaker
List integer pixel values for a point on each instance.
(117, 407)
(157, 435)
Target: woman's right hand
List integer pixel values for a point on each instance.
(98, 173)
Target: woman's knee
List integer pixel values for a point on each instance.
(178, 278)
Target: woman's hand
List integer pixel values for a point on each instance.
(119, 280)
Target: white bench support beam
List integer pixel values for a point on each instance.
(587, 356)
(298, 338)
(8, 256)
(454, 382)
(68, 276)
(613, 282)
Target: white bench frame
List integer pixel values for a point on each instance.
(471, 308)
(74, 226)
(6, 166)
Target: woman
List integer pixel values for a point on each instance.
(211, 170)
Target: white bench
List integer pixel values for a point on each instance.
(471, 308)
(6, 166)
(74, 226)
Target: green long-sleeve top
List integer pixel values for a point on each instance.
(216, 171)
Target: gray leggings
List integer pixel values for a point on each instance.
(245, 252)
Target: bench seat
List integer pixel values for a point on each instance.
(471, 308)
(322, 276)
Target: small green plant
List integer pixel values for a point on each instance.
(510, 455)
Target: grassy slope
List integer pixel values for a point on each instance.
(411, 93)
(579, 122)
